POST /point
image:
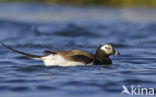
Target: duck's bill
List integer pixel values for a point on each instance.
(116, 53)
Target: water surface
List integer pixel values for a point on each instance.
(35, 28)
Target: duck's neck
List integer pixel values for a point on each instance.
(102, 58)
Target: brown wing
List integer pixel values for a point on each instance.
(76, 55)
(82, 58)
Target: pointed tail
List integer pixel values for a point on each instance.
(23, 53)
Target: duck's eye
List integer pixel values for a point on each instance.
(106, 47)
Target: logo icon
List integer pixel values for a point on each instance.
(125, 90)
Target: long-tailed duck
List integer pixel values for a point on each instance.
(73, 57)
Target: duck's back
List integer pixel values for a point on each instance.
(68, 58)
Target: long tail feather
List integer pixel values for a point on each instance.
(23, 53)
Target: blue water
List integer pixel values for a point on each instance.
(34, 28)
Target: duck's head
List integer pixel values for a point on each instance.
(106, 50)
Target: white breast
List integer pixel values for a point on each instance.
(58, 60)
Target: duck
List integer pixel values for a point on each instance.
(73, 57)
